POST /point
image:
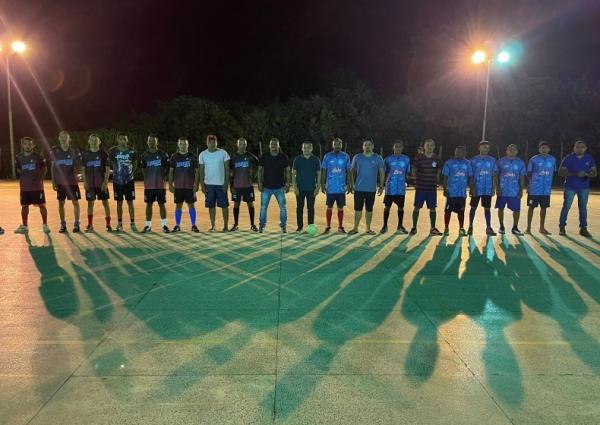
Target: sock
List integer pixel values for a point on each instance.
(432, 217)
(131, 221)
(193, 216)
(488, 218)
(251, 212)
(76, 223)
(447, 215)
(178, 214)
(415, 218)
(63, 223)
(461, 219)
(148, 223)
(341, 218)
(386, 215)
(90, 219)
(400, 217)
(328, 215)
(120, 221)
(24, 216)
(163, 221)
(44, 216)
(236, 216)
(472, 217)
(107, 221)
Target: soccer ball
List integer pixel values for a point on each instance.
(311, 229)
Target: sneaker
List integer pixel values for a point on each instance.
(195, 229)
(562, 231)
(583, 231)
(435, 232)
(299, 230)
(63, 228)
(225, 230)
(413, 231)
(76, 228)
(515, 231)
(176, 228)
(147, 229)
(119, 227)
(490, 232)
(261, 229)
(165, 229)
(462, 233)
(341, 230)
(211, 230)
(109, 228)
(502, 230)
(45, 228)
(402, 230)
(446, 231)
(470, 231)
(283, 230)
(383, 230)
(1, 231)
(254, 228)
(369, 232)
(89, 229)
(327, 230)
(134, 228)
(234, 228)
(22, 229)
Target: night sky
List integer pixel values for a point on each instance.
(102, 61)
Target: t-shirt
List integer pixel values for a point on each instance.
(94, 167)
(122, 163)
(427, 170)
(65, 165)
(184, 167)
(542, 169)
(396, 169)
(510, 171)
(306, 171)
(366, 169)
(336, 165)
(32, 169)
(573, 164)
(242, 167)
(274, 170)
(458, 172)
(483, 168)
(214, 166)
(156, 166)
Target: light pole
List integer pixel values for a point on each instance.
(16, 47)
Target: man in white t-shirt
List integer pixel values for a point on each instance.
(214, 178)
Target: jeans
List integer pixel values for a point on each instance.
(309, 195)
(265, 197)
(582, 200)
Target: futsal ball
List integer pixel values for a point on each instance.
(311, 229)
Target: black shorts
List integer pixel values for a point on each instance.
(126, 191)
(388, 200)
(364, 200)
(155, 195)
(185, 195)
(97, 193)
(244, 194)
(33, 197)
(456, 205)
(538, 201)
(70, 192)
(336, 198)
(486, 201)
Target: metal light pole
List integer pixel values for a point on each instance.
(487, 95)
(10, 122)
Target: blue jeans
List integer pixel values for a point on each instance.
(582, 200)
(265, 197)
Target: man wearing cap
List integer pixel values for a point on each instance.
(510, 181)
(483, 168)
(213, 167)
(540, 171)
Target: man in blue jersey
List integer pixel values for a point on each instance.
(334, 182)
(510, 181)
(540, 171)
(397, 167)
(457, 174)
(483, 168)
(577, 169)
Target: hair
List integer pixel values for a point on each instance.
(182, 138)
(337, 139)
(428, 140)
(307, 143)
(399, 142)
(93, 136)
(513, 145)
(152, 136)
(368, 141)
(63, 132)
(121, 134)
(26, 138)
(580, 141)
(461, 147)
(543, 143)
(274, 139)
(241, 139)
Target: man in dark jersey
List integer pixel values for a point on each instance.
(66, 163)
(242, 165)
(123, 160)
(31, 167)
(184, 182)
(155, 164)
(426, 171)
(95, 180)
(273, 180)
(306, 177)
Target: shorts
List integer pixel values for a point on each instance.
(97, 193)
(486, 201)
(126, 191)
(70, 192)
(155, 195)
(364, 200)
(215, 196)
(33, 197)
(538, 201)
(512, 202)
(336, 198)
(456, 204)
(422, 197)
(185, 195)
(243, 194)
(388, 200)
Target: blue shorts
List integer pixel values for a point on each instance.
(215, 196)
(512, 202)
(338, 198)
(422, 197)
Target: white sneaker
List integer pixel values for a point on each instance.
(45, 228)
(22, 229)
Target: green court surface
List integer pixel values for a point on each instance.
(243, 328)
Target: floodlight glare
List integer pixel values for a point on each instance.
(503, 56)
(18, 46)
(479, 57)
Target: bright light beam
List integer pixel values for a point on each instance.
(479, 57)
(503, 56)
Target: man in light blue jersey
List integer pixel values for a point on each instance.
(397, 167)
(483, 168)
(457, 173)
(540, 172)
(334, 182)
(510, 181)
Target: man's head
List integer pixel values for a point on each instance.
(274, 145)
(368, 146)
(544, 147)
(211, 142)
(428, 146)
(152, 142)
(242, 144)
(94, 142)
(398, 147)
(512, 151)
(484, 147)
(337, 144)
(307, 148)
(64, 139)
(27, 144)
(182, 144)
(579, 147)
(122, 140)
(460, 152)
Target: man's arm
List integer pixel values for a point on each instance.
(286, 175)
(200, 177)
(171, 187)
(106, 173)
(227, 172)
(381, 182)
(259, 177)
(197, 180)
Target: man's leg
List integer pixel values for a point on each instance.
(265, 198)
(236, 213)
(530, 211)
(280, 196)
(543, 219)
(61, 211)
(251, 212)
(211, 214)
(90, 213)
(369, 218)
(300, 209)
(106, 206)
(131, 208)
(178, 213)
(564, 212)
(25, 215)
(310, 204)
(76, 211)
(516, 217)
(386, 215)
(501, 217)
(44, 214)
(582, 201)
